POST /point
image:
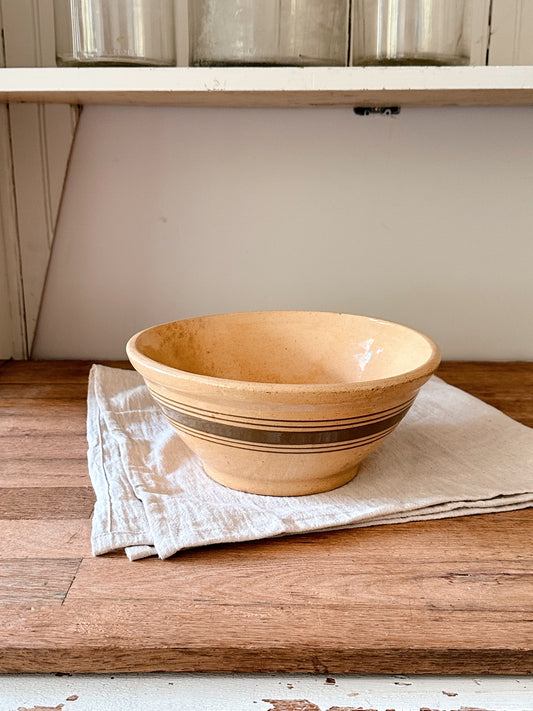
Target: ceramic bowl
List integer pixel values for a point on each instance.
(283, 403)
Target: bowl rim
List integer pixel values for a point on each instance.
(149, 365)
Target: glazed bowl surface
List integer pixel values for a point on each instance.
(283, 403)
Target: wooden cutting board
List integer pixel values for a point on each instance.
(452, 596)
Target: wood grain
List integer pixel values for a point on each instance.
(62, 416)
(40, 394)
(338, 583)
(132, 635)
(43, 538)
(35, 581)
(46, 502)
(50, 472)
(68, 445)
(52, 373)
(452, 596)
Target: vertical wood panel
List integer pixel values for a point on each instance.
(182, 32)
(41, 138)
(32, 194)
(480, 31)
(12, 320)
(511, 32)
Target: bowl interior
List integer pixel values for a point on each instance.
(288, 347)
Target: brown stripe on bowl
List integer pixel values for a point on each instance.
(277, 423)
(281, 449)
(295, 436)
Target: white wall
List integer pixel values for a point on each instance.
(425, 218)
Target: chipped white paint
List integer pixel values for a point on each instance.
(189, 692)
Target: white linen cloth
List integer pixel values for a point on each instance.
(452, 455)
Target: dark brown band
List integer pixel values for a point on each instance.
(286, 437)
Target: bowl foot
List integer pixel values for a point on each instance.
(279, 487)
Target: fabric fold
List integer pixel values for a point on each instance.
(452, 455)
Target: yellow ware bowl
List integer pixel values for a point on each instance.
(283, 403)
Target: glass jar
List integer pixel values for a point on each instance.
(268, 32)
(388, 32)
(114, 32)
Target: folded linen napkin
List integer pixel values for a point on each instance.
(452, 455)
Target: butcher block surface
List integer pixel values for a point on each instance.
(453, 596)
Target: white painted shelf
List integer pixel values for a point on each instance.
(273, 87)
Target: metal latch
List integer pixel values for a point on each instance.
(372, 110)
